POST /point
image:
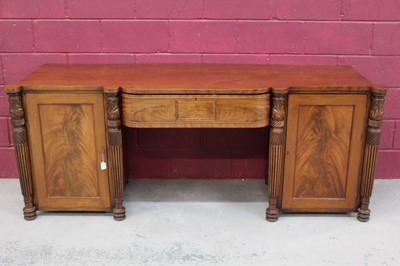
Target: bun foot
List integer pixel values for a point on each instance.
(119, 214)
(272, 215)
(363, 215)
(29, 213)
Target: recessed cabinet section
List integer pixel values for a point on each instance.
(67, 137)
(324, 150)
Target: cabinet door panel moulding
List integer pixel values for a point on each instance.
(67, 144)
(324, 148)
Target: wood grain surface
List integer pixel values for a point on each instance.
(195, 79)
(323, 151)
(68, 134)
(67, 137)
(210, 111)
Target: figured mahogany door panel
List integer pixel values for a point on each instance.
(324, 148)
(161, 111)
(67, 141)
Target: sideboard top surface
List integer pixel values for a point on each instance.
(195, 79)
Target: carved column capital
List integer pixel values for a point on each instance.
(278, 116)
(113, 119)
(376, 108)
(113, 110)
(278, 107)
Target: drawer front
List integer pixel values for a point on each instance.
(163, 111)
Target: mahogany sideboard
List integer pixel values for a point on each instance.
(323, 129)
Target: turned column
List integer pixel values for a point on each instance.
(276, 150)
(370, 153)
(22, 151)
(115, 160)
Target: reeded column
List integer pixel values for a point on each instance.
(276, 151)
(22, 151)
(115, 154)
(370, 153)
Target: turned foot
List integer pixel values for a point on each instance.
(272, 215)
(364, 211)
(119, 214)
(29, 213)
(363, 215)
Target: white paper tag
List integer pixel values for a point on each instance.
(103, 166)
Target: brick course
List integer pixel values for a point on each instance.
(362, 33)
(392, 105)
(166, 58)
(169, 9)
(100, 9)
(135, 36)
(1, 71)
(83, 58)
(397, 136)
(387, 137)
(32, 9)
(18, 66)
(67, 36)
(4, 132)
(386, 39)
(203, 37)
(3, 106)
(365, 10)
(8, 163)
(16, 36)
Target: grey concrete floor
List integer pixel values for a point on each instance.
(192, 222)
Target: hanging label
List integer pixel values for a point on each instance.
(103, 166)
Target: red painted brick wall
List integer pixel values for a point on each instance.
(361, 33)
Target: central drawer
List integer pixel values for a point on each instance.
(165, 111)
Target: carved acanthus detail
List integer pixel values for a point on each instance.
(113, 111)
(278, 107)
(16, 109)
(376, 109)
(17, 118)
(114, 119)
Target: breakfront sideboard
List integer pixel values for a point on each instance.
(323, 129)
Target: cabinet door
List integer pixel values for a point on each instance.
(324, 148)
(67, 141)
